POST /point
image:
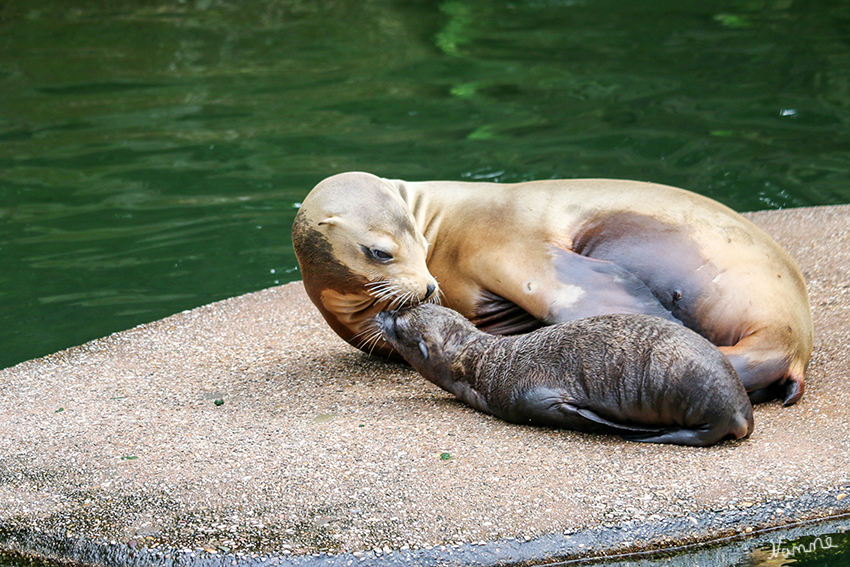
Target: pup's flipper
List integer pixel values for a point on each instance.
(608, 288)
(554, 407)
(698, 437)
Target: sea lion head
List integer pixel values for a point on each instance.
(360, 251)
(427, 336)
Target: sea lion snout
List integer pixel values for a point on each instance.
(385, 320)
(399, 331)
(429, 290)
(399, 325)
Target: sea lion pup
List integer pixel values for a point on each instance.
(514, 257)
(638, 376)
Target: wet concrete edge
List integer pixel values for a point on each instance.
(811, 514)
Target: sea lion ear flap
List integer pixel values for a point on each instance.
(423, 348)
(332, 221)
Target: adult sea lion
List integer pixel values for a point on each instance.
(514, 257)
(638, 376)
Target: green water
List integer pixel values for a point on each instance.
(151, 152)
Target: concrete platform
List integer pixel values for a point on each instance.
(246, 432)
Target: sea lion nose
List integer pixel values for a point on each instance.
(429, 290)
(386, 322)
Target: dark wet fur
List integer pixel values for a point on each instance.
(638, 376)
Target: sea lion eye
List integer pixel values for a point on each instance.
(376, 254)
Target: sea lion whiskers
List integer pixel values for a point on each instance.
(369, 337)
(402, 300)
(436, 298)
(386, 291)
(391, 293)
(372, 341)
(382, 289)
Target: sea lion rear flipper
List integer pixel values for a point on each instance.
(618, 428)
(697, 437)
(608, 288)
(553, 407)
(767, 371)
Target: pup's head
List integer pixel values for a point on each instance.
(427, 336)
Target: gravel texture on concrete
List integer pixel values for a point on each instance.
(245, 431)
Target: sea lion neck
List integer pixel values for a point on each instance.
(426, 211)
(470, 355)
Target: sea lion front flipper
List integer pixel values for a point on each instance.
(496, 315)
(607, 288)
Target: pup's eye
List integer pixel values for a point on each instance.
(376, 254)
